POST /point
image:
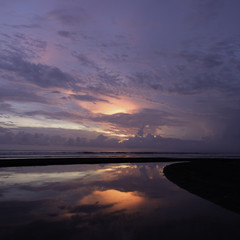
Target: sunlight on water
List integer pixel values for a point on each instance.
(108, 201)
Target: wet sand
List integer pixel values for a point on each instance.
(215, 180)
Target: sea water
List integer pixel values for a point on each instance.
(18, 154)
(106, 201)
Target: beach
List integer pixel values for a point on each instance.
(216, 180)
(113, 198)
(19, 160)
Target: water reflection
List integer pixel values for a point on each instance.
(117, 201)
(113, 200)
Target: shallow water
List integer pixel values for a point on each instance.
(106, 201)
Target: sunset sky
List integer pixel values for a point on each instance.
(132, 74)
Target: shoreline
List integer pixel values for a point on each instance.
(216, 181)
(24, 162)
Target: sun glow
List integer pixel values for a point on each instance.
(113, 106)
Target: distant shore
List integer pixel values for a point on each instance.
(18, 162)
(216, 180)
(75, 160)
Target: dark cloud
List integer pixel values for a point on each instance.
(4, 130)
(204, 13)
(216, 69)
(116, 58)
(85, 61)
(69, 16)
(87, 98)
(207, 60)
(20, 26)
(23, 138)
(66, 34)
(110, 78)
(5, 106)
(226, 142)
(163, 144)
(178, 57)
(22, 45)
(38, 74)
(214, 66)
(147, 80)
(20, 93)
(226, 127)
(151, 117)
(150, 142)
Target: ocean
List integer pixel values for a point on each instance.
(119, 201)
(23, 154)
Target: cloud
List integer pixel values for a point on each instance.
(66, 34)
(204, 13)
(126, 123)
(159, 143)
(5, 106)
(21, 44)
(208, 60)
(38, 74)
(151, 117)
(19, 93)
(69, 16)
(4, 130)
(85, 61)
(150, 142)
(22, 26)
(87, 98)
(24, 138)
(147, 79)
(60, 115)
(197, 67)
(215, 69)
(80, 140)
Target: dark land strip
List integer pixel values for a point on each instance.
(22, 162)
(216, 180)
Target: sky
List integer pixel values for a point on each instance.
(132, 74)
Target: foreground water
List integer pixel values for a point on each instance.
(106, 201)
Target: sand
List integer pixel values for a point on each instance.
(216, 180)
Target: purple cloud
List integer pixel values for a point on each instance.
(87, 98)
(38, 74)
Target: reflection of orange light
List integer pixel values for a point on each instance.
(120, 200)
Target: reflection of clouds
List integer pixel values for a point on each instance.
(39, 178)
(116, 200)
(41, 182)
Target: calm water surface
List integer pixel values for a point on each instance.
(106, 201)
